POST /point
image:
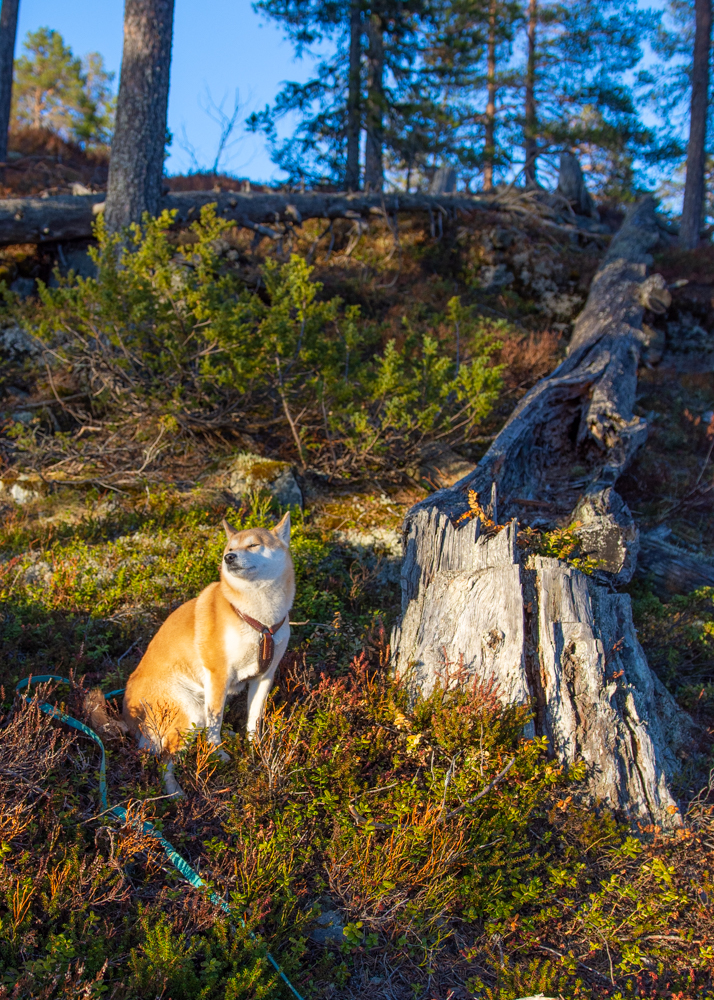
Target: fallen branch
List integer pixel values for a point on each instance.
(361, 820)
(484, 791)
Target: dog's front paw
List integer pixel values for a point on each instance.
(221, 754)
(172, 787)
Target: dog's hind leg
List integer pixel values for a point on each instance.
(170, 783)
(166, 766)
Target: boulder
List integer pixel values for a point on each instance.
(250, 472)
(378, 549)
(329, 928)
(20, 489)
(441, 466)
(608, 533)
(16, 342)
(495, 276)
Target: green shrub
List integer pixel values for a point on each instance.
(170, 330)
(353, 799)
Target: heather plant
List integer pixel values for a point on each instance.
(451, 845)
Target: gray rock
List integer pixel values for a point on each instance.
(24, 287)
(376, 548)
(330, 928)
(39, 574)
(20, 490)
(502, 238)
(608, 533)
(80, 262)
(15, 342)
(252, 472)
(442, 466)
(495, 276)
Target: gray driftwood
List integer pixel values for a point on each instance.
(669, 569)
(541, 629)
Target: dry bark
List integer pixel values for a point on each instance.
(137, 159)
(546, 633)
(531, 121)
(374, 111)
(8, 32)
(489, 146)
(571, 184)
(693, 204)
(354, 116)
(669, 569)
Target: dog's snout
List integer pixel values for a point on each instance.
(230, 558)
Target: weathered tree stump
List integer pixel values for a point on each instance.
(571, 184)
(545, 632)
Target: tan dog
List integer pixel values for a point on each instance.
(234, 633)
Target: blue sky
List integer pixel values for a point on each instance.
(219, 45)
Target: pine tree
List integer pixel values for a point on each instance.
(374, 104)
(575, 86)
(355, 89)
(54, 90)
(328, 106)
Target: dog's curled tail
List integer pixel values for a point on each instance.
(95, 707)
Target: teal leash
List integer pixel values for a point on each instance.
(180, 864)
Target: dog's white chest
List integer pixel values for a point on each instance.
(241, 651)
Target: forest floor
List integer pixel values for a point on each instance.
(332, 837)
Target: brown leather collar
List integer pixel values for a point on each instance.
(266, 647)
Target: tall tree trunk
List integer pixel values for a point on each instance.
(373, 165)
(544, 632)
(693, 206)
(490, 137)
(137, 159)
(8, 33)
(530, 101)
(353, 98)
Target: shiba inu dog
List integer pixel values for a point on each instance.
(234, 633)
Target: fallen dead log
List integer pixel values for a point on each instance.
(68, 217)
(545, 632)
(671, 570)
(71, 217)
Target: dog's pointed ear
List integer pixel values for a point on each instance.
(229, 529)
(282, 529)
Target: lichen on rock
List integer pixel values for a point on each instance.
(250, 472)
